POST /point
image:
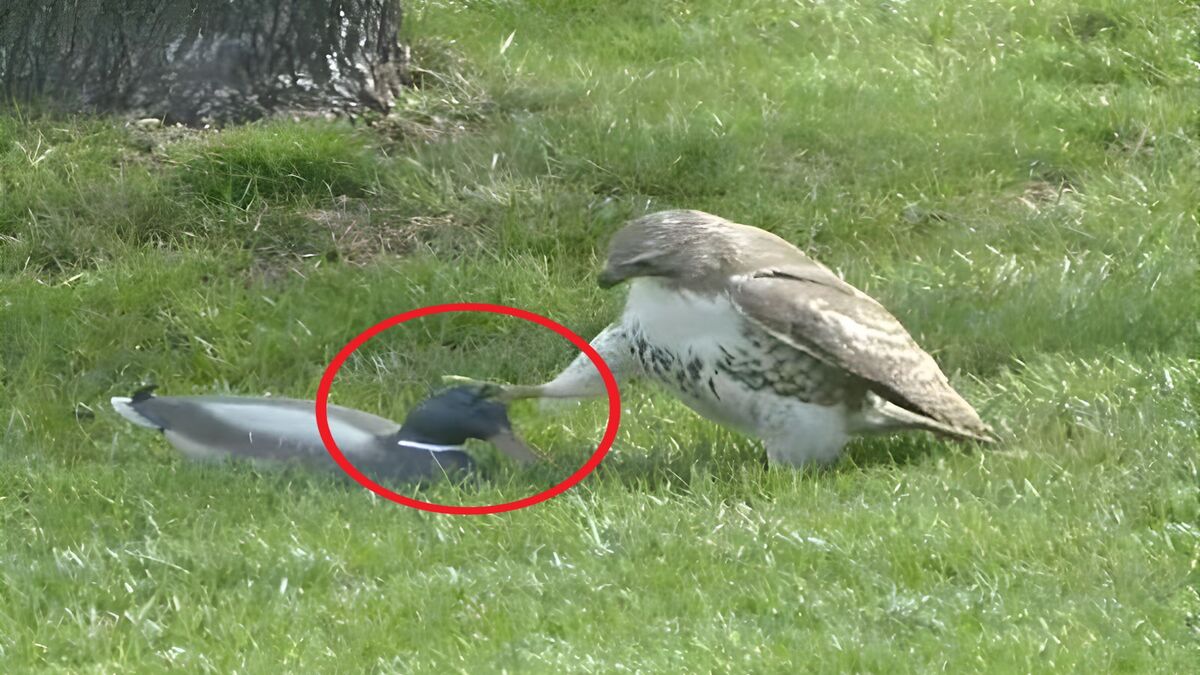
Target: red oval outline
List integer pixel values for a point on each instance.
(610, 431)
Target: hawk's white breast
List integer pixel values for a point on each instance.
(691, 326)
(668, 316)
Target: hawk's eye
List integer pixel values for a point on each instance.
(643, 262)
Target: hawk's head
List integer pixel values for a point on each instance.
(692, 248)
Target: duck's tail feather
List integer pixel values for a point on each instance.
(124, 406)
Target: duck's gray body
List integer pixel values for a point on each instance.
(282, 429)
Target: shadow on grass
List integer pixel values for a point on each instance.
(739, 465)
(898, 449)
(734, 471)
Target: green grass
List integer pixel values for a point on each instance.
(1018, 182)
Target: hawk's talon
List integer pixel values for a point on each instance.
(486, 389)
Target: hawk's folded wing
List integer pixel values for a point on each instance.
(845, 328)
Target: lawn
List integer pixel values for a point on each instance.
(1018, 182)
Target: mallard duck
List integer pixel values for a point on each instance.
(429, 444)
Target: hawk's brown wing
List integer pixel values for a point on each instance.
(844, 327)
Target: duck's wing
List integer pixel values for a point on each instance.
(261, 428)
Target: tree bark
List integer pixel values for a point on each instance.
(197, 61)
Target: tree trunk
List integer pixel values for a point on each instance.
(196, 61)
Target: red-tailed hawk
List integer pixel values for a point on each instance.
(748, 331)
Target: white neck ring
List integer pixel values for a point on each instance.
(429, 446)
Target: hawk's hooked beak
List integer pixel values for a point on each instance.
(610, 277)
